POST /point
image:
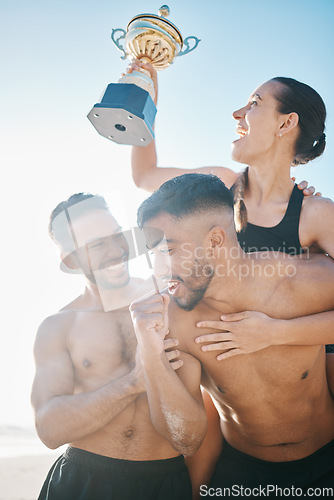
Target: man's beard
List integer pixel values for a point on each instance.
(194, 296)
(189, 303)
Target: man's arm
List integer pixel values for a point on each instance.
(202, 464)
(175, 400)
(145, 172)
(62, 416)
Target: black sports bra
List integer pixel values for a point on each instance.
(284, 237)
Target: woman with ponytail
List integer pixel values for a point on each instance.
(282, 125)
(303, 133)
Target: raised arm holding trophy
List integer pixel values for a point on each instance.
(126, 112)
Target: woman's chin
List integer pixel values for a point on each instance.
(239, 158)
(236, 154)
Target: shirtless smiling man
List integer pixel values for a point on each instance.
(277, 414)
(89, 387)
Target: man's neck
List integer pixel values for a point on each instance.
(236, 283)
(92, 297)
(115, 298)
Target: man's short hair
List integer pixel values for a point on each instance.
(188, 194)
(61, 232)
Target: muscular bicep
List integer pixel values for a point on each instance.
(54, 374)
(190, 373)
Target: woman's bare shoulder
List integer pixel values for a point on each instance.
(317, 224)
(316, 207)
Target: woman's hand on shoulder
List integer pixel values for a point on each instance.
(307, 190)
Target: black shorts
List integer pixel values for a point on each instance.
(237, 468)
(81, 475)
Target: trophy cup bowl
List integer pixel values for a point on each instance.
(126, 112)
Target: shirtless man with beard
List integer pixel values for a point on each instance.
(89, 388)
(276, 411)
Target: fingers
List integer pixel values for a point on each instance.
(170, 343)
(218, 347)
(166, 299)
(211, 324)
(302, 185)
(150, 313)
(146, 322)
(176, 364)
(172, 355)
(146, 65)
(132, 67)
(318, 194)
(309, 191)
(137, 64)
(214, 337)
(235, 316)
(229, 354)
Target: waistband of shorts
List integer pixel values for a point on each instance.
(324, 453)
(120, 466)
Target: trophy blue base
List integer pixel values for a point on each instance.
(125, 114)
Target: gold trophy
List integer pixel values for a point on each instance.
(126, 112)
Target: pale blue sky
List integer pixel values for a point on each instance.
(57, 58)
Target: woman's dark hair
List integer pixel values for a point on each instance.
(240, 210)
(292, 97)
(296, 97)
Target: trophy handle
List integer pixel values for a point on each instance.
(186, 42)
(116, 41)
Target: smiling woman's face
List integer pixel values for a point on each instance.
(258, 126)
